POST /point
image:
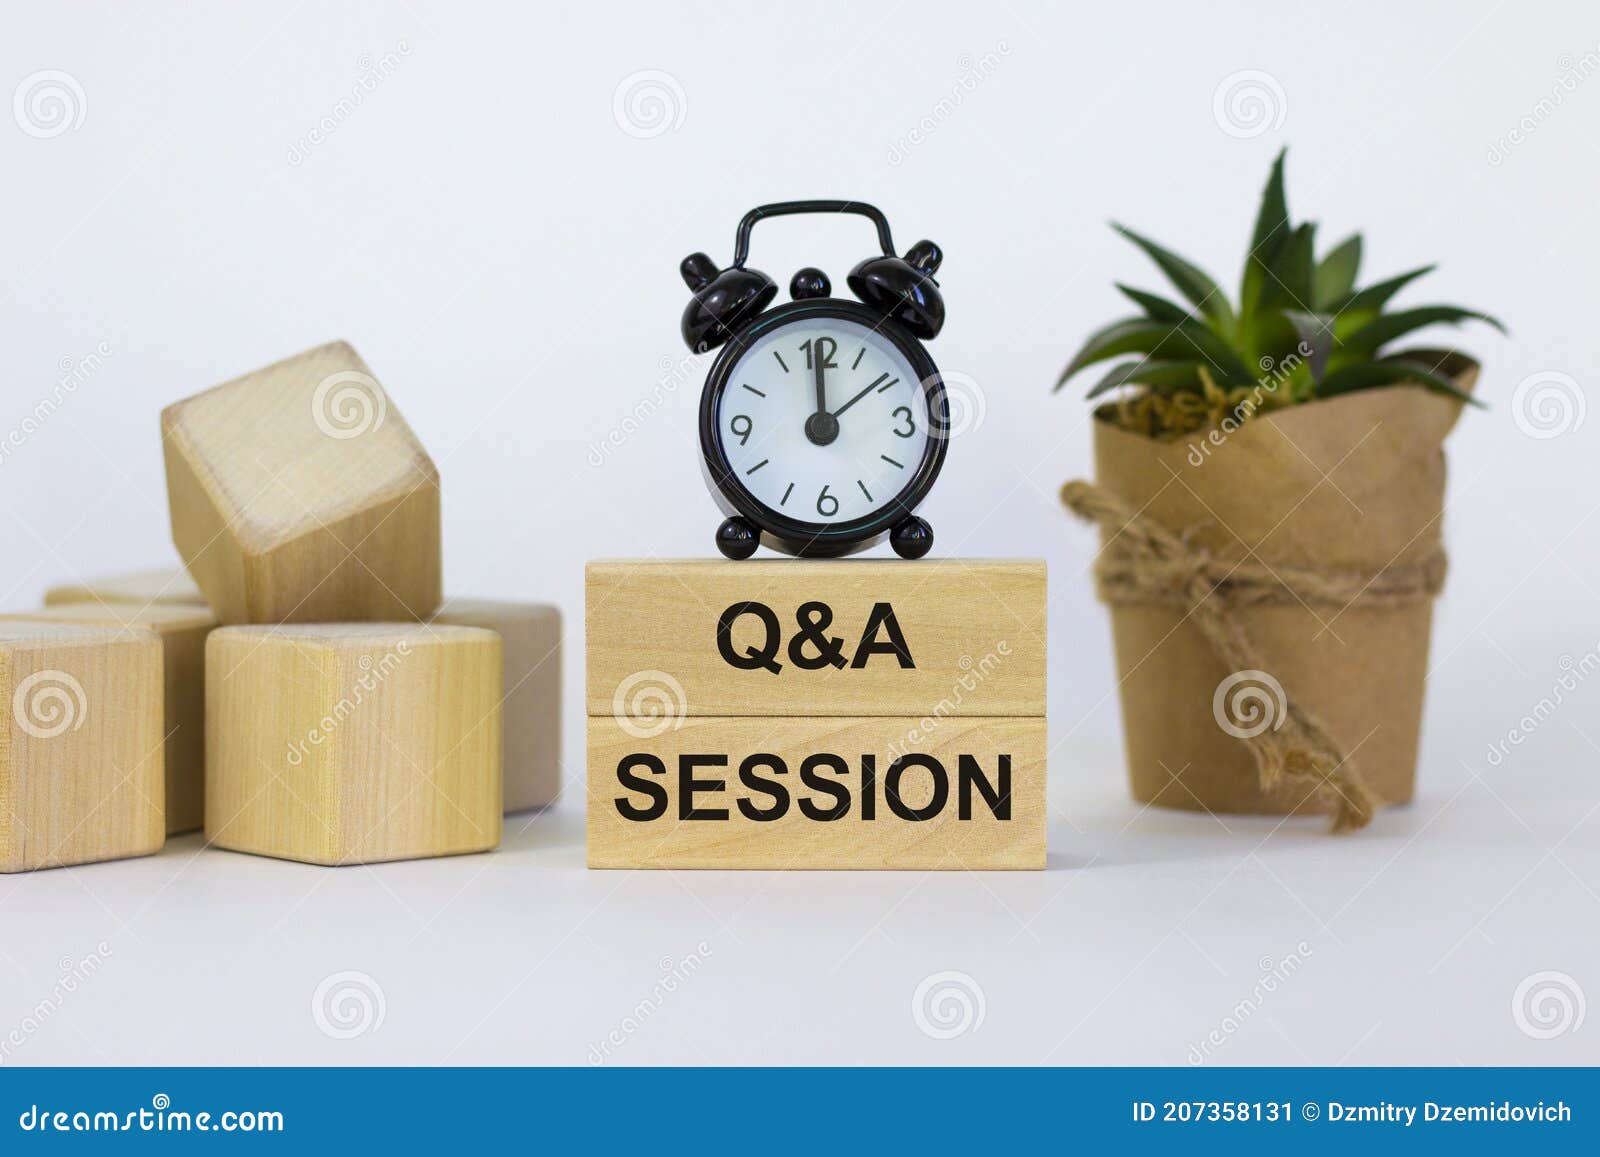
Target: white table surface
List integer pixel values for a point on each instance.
(1149, 930)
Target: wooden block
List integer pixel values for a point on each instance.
(961, 636)
(80, 745)
(531, 636)
(299, 494)
(353, 743)
(182, 631)
(143, 587)
(758, 793)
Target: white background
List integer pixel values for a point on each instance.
(504, 254)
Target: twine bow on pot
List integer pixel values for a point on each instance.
(1143, 562)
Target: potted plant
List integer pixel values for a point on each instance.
(1269, 486)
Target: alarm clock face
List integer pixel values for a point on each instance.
(830, 422)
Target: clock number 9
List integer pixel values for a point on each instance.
(743, 434)
(911, 426)
(827, 511)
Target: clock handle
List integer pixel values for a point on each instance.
(741, 245)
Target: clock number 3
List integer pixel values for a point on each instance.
(904, 413)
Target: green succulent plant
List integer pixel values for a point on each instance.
(1301, 330)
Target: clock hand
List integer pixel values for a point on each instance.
(875, 383)
(822, 427)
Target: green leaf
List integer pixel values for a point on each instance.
(1156, 307)
(1190, 281)
(1336, 274)
(1374, 297)
(1271, 231)
(1293, 270)
(1157, 339)
(1386, 327)
(1148, 372)
(1370, 375)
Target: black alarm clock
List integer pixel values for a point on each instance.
(823, 422)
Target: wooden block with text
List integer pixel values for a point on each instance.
(80, 745)
(816, 714)
(531, 636)
(142, 587)
(299, 494)
(182, 631)
(353, 743)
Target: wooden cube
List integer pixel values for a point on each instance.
(955, 617)
(807, 714)
(299, 494)
(824, 792)
(80, 745)
(142, 587)
(182, 631)
(531, 636)
(353, 743)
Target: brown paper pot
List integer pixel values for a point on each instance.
(1351, 483)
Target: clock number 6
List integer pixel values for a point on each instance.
(742, 434)
(911, 426)
(827, 511)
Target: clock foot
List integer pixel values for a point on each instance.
(737, 539)
(913, 538)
